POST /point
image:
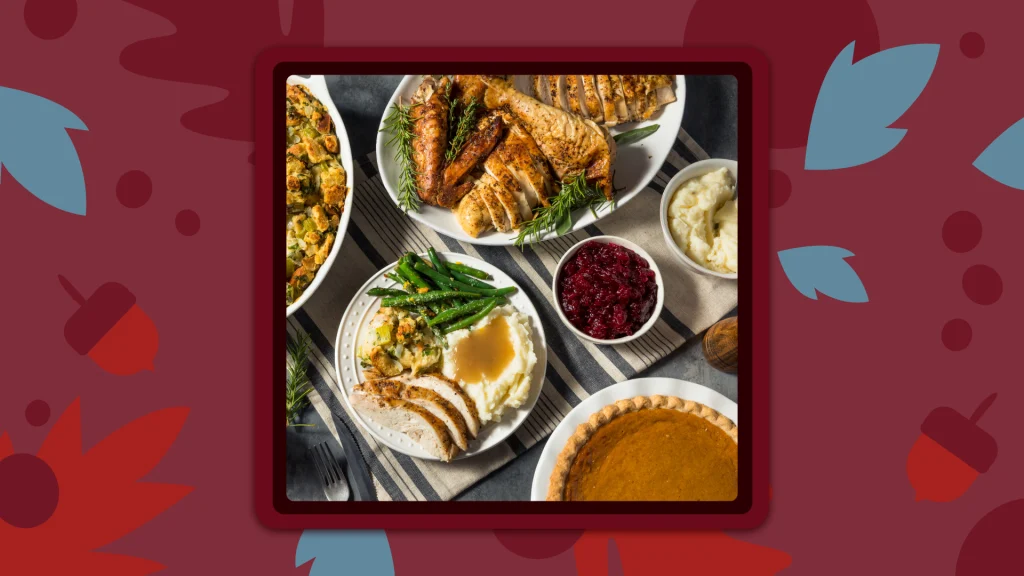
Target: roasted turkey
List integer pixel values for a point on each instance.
(478, 146)
(529, 133)
(516, 179)
(570, 143)
(430, 114)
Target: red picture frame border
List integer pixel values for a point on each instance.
(275, 510)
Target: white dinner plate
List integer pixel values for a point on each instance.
(354, 326)
(635, 166)
(317, 85)
(621, 391)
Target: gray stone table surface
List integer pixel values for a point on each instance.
(709, 117)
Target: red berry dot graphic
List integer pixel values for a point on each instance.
(187, 222)
(993, 546)
(134, 189)
(961, 232)
(37, 413)
(982, 284)
(50, 19)
(28, 491)
(780, 188)
(956, 334)
(972, 45)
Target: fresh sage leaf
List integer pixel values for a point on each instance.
(565, 225)
(636, 134)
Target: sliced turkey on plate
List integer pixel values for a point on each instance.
(574, 93)
(432, 401)
(592, 98)
(629, 96)
(452, 392)
(607, 93)
(540, 89)
(405, 417)
(556, 87)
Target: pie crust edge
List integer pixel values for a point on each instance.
(556, 487)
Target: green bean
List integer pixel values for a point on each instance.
(500, 291)
(461, 286)
(469, 280)
(467, 322)
(413, 258)
(424, 298)
(386, 292)
(442, 281)
(459, 311)
(407, 272)
(395, 278)
(435, 308)
(468, 270)
(421, 310)
(436, 261)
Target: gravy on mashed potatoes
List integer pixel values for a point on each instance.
(702, 216)
(493, 361)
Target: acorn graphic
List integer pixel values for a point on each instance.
(950, 453)
(111, 329)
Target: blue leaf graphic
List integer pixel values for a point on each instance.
(1001, 161)
(857, 103)
(345, 553)
(824, 269)
(37, 151)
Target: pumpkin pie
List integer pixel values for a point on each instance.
(649, 448)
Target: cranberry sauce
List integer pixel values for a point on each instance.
(607, 291)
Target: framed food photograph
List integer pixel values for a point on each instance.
(512, 296)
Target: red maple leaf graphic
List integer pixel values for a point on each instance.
(6, 448)
(100, 497)
(642, 553)
(200, 52)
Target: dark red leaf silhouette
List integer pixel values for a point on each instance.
(199, 52)
(100, 497)
(537, 544)
(643, 553)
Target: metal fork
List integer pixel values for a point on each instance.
(330, 471)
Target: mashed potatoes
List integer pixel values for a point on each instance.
(493, 361)
(702, 217)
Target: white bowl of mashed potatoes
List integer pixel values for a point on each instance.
(700, 217)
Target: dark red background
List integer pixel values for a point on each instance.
(851, 383)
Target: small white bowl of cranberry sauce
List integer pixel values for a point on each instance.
(608, 290)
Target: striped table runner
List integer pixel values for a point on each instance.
(379, 233)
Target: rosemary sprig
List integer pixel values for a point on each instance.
(575, 193)
(399, 124)
(452, 106)
(297, 382)
(465, 125)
